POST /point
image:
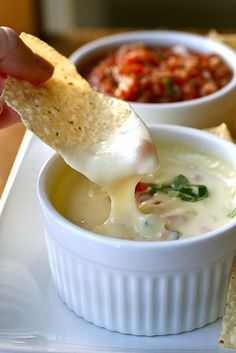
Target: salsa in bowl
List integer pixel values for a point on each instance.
(168, 77)
(140, 73)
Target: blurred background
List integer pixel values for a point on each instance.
(82, 20)
(58, 15)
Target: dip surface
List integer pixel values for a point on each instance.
(138, 73)
(87, 205)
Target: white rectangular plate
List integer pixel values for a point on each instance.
(32, 318)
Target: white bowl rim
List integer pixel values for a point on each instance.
(135, 244)
(134, 35)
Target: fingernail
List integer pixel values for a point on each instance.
(43, 64)
(44, 71)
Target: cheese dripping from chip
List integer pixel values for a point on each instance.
(99, 136)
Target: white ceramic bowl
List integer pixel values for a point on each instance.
(200, 113)
(141, 288)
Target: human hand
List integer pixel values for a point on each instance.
(17, 60)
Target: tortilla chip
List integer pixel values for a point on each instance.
(228, 331)
(222, 131)
(63, 111)
(228, 39)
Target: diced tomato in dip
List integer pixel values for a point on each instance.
(140, 187)
(138, 73)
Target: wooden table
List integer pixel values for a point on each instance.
(10, 138)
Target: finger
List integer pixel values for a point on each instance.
(2, 82)
(8, 116)
(17, 60)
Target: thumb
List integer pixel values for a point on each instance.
(17, 60)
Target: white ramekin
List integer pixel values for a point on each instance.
(141, 288)
(203, 112)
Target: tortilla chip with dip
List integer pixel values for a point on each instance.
(63, 111)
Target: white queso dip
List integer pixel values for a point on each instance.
(191, 193)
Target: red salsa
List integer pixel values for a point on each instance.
(139, 73)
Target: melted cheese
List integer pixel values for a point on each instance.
(116, 165)
(88, 205)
